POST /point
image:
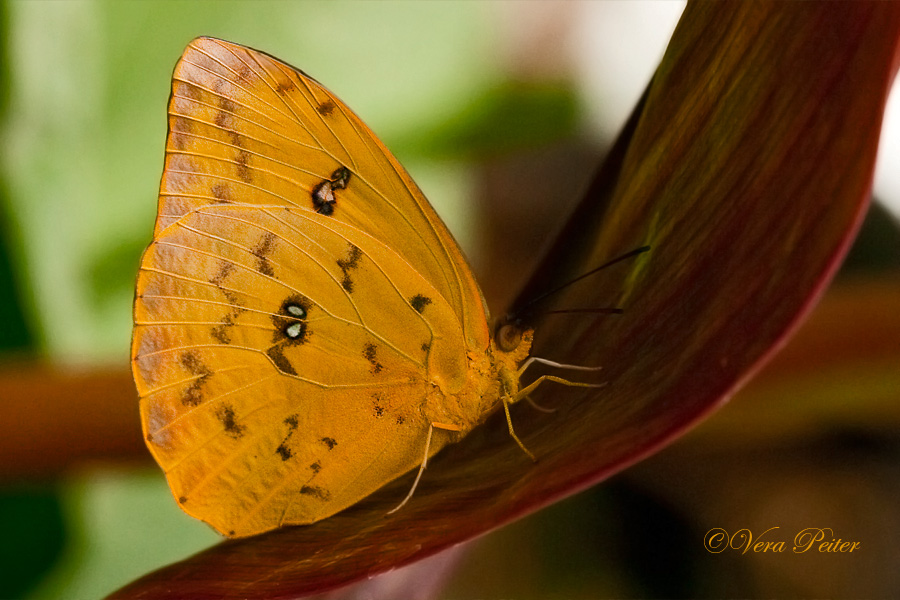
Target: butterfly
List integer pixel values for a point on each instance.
(306, 329)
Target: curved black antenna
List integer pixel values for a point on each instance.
(535, 300)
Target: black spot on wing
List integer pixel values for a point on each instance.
(276, 354)
(329, 442)
(378, 406)
(323, 198)
(262, 250)
(400, 420)
(182, 499)
(227, 417)
(340, 178)
(370, 353)
(419, 302)
(193, 393)
(325, 108)
(316, 467)
(283, 450)
(315, 492)
(290, 326)
(346, 265)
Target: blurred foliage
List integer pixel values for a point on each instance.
(506, 117)
(30, 516)
(877, 247)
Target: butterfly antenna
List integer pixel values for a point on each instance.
(605, 311)
(596, 311)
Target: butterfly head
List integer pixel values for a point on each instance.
(512, 341)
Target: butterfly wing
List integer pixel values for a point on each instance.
(245, 127)
(285, 363)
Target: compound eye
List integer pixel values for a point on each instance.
(508, 337)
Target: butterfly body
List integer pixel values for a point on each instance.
(303, 318)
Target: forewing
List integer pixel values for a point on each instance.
(245, 127)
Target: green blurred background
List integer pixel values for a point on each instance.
(472, 97)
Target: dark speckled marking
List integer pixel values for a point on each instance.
(325, 108)
(221, 193)
(244, 172)
(182, 499)
(223, 272)
(316, 467)
(186, 90)
(262, 250)
(222, 120)
(231, 533)
(284, 365)
(180, 130)
(426, 347)
(222, 331)
(400, 420)
(315, 492)
(348, 264)
(232, 428)
(329, 442)
(283, 450)
(419, 302)
(193, 394)
(370, 352)
(225, 103)
(236, 139)
(377, 406)
(219, 278)
(285, 86)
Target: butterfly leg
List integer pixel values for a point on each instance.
(538, 407)
(412, 490)
(512, 432)
(523, 393)
(531, 387)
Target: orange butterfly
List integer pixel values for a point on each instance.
(303, 319)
